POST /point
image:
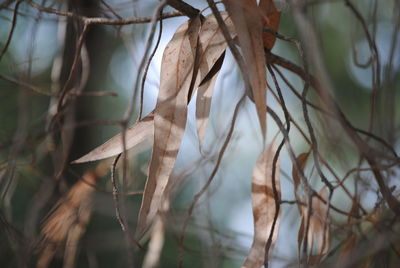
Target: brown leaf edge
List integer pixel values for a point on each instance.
(270, 18)
(247, 20)
(177, 76)
(319, 227)
(135, 135)
(263, 203)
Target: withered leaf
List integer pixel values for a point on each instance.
(203, 106)
(67, 220)
(319, 228)
(270, 18)
(157, 237)
(301, 160)
(212, 48)
(134, 135)
(347, 248)
(247, 20)
(177, 70)
(263, 202)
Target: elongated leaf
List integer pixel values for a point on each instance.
(212, 47)
(247, 20)
(302, 160)
(157, 237)
(177, 70)
(271, 18)
(347, 248)
(67, 220)
(319, 229)
(134, 135)
(263, 202)
(203, 106)
(320, 226)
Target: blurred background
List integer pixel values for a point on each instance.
(39, 138)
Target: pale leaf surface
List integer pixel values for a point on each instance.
(319, 229)
(247, 20)
(135, 134)
(263, 203)
(170, 116)
(301, 160)
(212, 46)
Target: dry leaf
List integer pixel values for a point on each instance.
(177, 70)
(271, 18)
(263, 203)
(203, 104)
(134, 135)
(301, 160)
(319, 228)
(348, 247)
(212, 47)
(67, 221)
(156, 243)
(247, 20)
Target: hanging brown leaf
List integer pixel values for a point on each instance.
(319, 228)
(247, 20)
(301, 160)
(263, 202)
(270, 19)
(212, 47)
(134, 135)
(348, 247)
(177, 69)
(156, 243)
(67, 221)
(203, 106)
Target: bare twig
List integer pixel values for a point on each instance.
(210, 179)
(10, 34)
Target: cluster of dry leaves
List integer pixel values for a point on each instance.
(360, 236)
(191, 61)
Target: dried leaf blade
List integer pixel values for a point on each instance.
(177, 70)
(271, 17)
(301, 160)
(264, 206)
(135, 134)
(319, 227)
(212, 46)
(247, 20)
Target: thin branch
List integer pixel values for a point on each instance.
(210, 179)
(115, 193)
(148, 65)
(104, 21)
(185, 8)
(10, 34)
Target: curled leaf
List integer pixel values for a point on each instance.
(264, 209)
(203, 101)
(212, 49)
